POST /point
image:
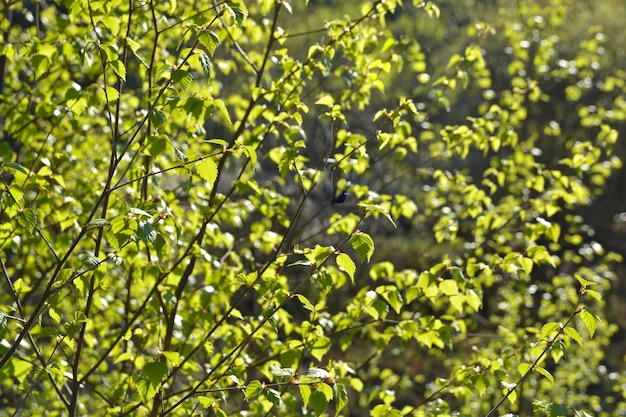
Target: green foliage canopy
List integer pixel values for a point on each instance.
(171, 243)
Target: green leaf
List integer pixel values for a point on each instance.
(157, 145)
(97, 223)
(15, 166)
(545, 373)
(549, 329)
(221, 107)
(152, 374)
(340, 396)
(557, 410)
(449, 287)
(3, 325)
(320, 254)
(347, 264)
(327, 390)
(583, 282)
(251, 153)
(182, 78)
(319, 346)
(573, 333)
(590, 321)
(363, 244)
(118, 68)
(320, 373)
(384, 410)
(523, 368)
(281, 372)
(237, 13)
(27, 218)
(155, 372)
(209, 39)
(207, 170)
(40, 63)
(378, 209)
(174, 358)
(305, 302)
(157, 117)
(594, 294)
(207, 65)
(54, 315)
(326, 100)
(254, 389)
(146, 231)
(318, 402)
(273, 396)
(305, 392)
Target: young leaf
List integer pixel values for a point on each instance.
(96, 224)
(207, 169)
(306, 303)
(545, 373)
(590, 321)
(207, 65)
(155, 372)
(326, 101)
(118, 68)
(305, 392)
(221, 107)
(378, 209)
(594, 294)
(237, 12)
(363, 244)
(16, 166)
(182, 78)
(27, 218)
(281, 372)
(340, 396)
(523, 368)
(318, 402)
(209, 39)
(573, 333)
(175, 358)
(157, 117)
(273, 396)
(347, 264)
(318, 373)
(254, 389)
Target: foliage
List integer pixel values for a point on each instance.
(211, 208)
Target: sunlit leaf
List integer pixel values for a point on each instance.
(347, 264)
(207, 170)
(590, 321)
(254, 389)
(363, 245)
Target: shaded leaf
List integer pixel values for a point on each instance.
(157, 117)
(318, 402)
